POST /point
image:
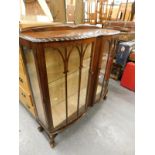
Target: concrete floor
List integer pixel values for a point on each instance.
(107, 129)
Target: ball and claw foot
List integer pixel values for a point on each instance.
(52, 140)
(40, 128)
(52, 144)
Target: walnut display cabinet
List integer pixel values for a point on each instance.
(68, 69)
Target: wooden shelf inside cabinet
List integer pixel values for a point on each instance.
(63, 68)
(25, 96)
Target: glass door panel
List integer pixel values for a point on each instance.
(73, 80)
(84, 75)
(57, 98)
(56, 84)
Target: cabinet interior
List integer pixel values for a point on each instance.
(77, 80)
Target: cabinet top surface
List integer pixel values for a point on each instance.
(65, 35)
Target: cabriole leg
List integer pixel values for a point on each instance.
(40, 128)
(105, 96)
(52, 140)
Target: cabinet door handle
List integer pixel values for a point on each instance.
(28, 106)
(23, 95)
(20, 79)
(91, 72)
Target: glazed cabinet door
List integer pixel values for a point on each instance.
(68, 71)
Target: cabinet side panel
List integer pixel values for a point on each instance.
(109, 49)
(31, 68)
(101, 81)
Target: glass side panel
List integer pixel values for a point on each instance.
(57, 81)
(102, 72)
(31, 68)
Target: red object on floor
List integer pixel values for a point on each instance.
(128, 78)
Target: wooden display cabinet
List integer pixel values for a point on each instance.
(63, 64)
